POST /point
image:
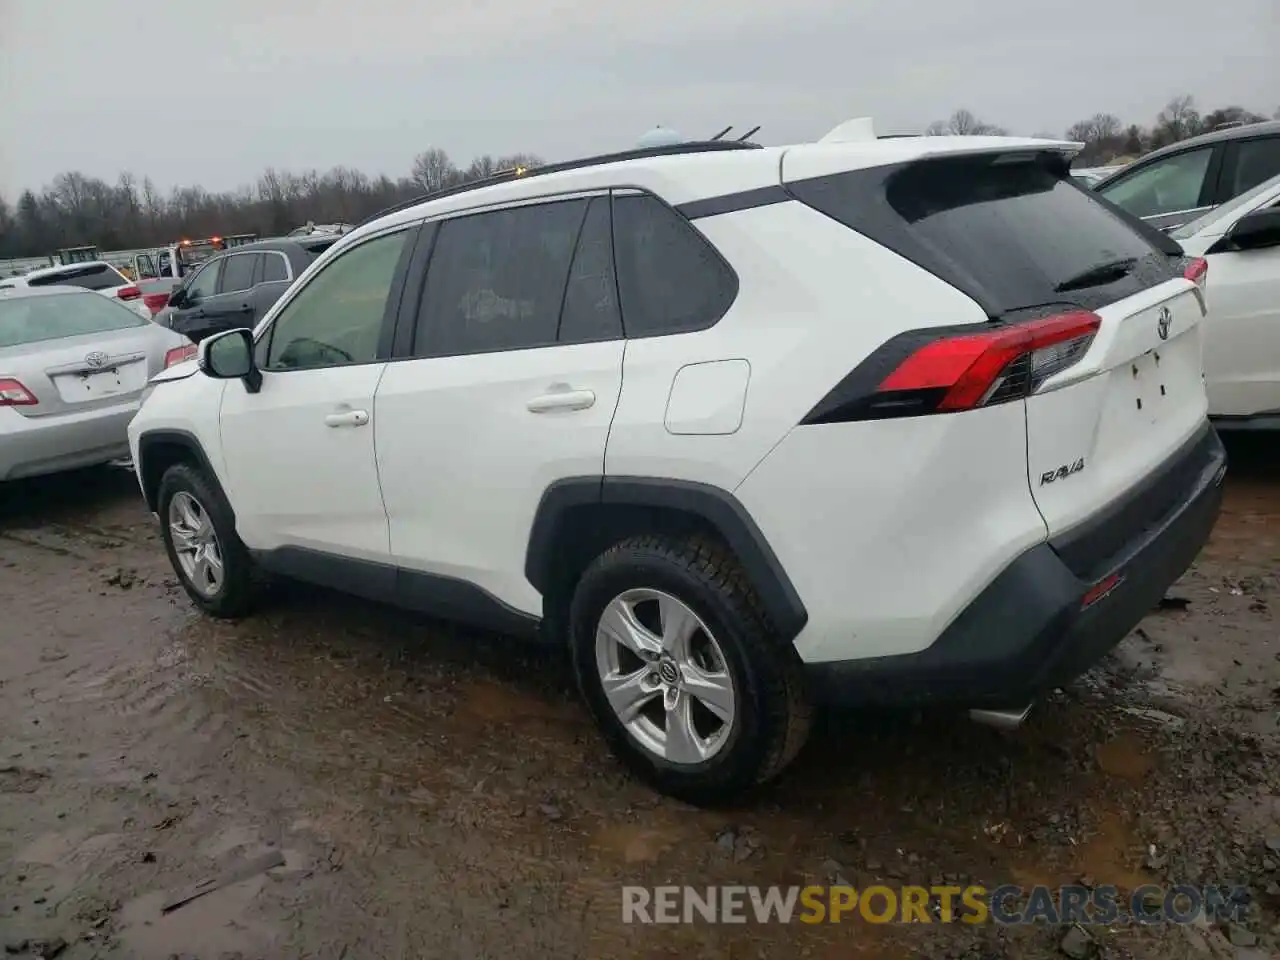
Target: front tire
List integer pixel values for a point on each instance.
(682, 670)
(199, 535)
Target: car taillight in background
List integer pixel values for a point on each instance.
(938, 371)
(155, 302)
(179, 355)
(1197, 270)
(128, 293)
(14, 394)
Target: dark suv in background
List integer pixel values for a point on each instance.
(236, 288)
(1175, 184)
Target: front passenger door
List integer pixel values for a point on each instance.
(299, 452)
(188, 317)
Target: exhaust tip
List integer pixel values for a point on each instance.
(1000, 719)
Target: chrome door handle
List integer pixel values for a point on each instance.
(562, 400)
(349, 418)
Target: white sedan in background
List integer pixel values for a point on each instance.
(1241, 242)
(96, 275)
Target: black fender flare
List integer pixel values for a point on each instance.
(562, 506)
(184, 439)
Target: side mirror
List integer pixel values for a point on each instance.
(1258, 229)
(178, 297)
(229, 356)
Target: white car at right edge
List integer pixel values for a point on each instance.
(744, 429)
(1240, 241)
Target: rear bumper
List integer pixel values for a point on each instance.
(1032, 628)
(34, 446)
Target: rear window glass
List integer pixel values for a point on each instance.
(33, 319)
(96, 277)
(1014, 236)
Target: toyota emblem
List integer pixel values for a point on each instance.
(96, 358)
(1163, 323)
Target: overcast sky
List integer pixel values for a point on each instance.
(213, 92)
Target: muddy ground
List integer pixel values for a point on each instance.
(432, 793)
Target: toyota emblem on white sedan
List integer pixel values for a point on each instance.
(1163, 323)
(96, 358)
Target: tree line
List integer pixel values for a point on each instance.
(1107, 139)
(75, 209)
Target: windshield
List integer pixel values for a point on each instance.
(34, 319)
(1188, 230)
(96, 276)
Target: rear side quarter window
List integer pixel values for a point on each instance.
(670, 278)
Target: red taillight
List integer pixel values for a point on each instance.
(155, 302)
(128, 293)
(973, 369)
(14, 394)
(1197, 270)
(179, 354)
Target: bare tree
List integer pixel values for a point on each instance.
(1177, 121)
(963, 123)
(433, 170)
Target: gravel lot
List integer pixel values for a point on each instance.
(427, 792)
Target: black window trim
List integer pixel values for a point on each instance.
(413, 229)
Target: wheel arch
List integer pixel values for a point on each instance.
(578, 518)
(158, 450)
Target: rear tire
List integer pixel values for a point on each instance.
(200, 537)
(703, 718)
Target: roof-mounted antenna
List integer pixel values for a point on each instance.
(743, 138)
(722, 132)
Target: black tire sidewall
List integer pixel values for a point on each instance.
(736, 764)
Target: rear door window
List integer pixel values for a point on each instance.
(237, 272)
(497, 280)
(1012, 235)
(590, 310)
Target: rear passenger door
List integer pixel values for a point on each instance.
(270, 282)
(232, 306)
(511, 373)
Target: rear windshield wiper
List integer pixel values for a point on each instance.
(1098, 274)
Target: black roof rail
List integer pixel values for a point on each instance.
(524, 173)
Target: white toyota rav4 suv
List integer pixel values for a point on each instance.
(749, 429)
